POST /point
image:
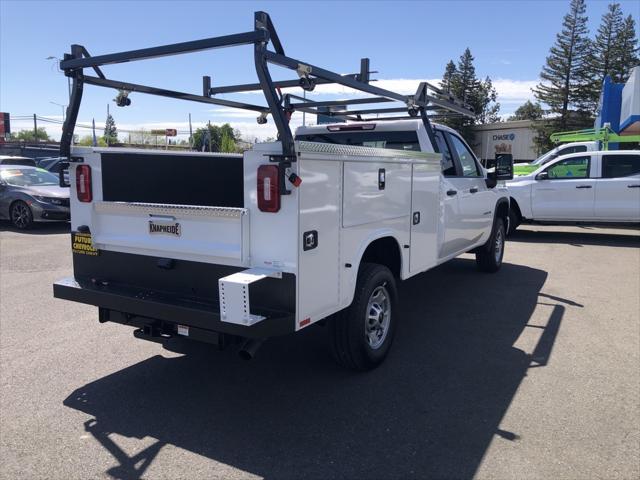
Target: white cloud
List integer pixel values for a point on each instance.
(514, 91)
(227, 112)
(509, 91)
(511, 94)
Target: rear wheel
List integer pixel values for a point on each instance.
(489, 256)
(21, 216)
(361, 335)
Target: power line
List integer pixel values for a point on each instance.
(55, 121)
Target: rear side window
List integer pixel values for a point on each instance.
(447, 163)
(614, 166)
(403, 140)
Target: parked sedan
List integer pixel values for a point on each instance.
(581, 187)
(30, 194)
(13, 160)
(54, 165)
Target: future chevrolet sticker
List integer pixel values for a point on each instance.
(81, 243)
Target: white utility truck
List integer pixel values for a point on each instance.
(591, 187)
(321, 226)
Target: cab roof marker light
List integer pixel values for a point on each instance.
(351, 127)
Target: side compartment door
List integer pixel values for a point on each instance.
(318, 247)
(567, 193)
(618, 189)
(425, 197)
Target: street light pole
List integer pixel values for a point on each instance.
(61, 106)
(51, 57)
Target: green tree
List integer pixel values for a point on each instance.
(603, 58)
(217, 138)
(28, 136)
(564, 77)
(485, 104)
(227, 143)
(628, 51)
(449, 74)
(110, 131)
(460, 80)
(528, 111)
(464, 82)
(87, 141)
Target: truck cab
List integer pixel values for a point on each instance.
(592, 187)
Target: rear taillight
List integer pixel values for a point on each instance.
(268, 188)
(83, 183)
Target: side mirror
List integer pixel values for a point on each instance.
(504, 167)
(64, 171)
(542, 176)
(500, 168)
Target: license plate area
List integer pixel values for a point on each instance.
(160, 227)
(199, 233)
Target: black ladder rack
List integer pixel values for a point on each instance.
(428, 101)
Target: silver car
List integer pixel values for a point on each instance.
(31, 194)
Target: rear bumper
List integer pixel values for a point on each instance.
(161, 314)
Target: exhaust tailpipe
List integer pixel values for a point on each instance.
(250, 347)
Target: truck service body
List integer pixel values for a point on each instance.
(215, 247)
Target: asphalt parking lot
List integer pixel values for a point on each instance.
(528, 373)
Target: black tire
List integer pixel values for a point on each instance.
(21, 215)
(514, 221)
(489, 256)
(352, 331)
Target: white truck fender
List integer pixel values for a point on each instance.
(350, 279)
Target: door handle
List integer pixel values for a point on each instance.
(583, 186)
(473, 190)
(451, 193)
(633, 186)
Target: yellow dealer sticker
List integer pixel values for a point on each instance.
(81, 243)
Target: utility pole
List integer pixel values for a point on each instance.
(190, 134)
(105, 125)
(35, 128)
(208, 134)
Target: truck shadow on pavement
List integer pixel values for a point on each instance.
(626, 238)
(431, 410)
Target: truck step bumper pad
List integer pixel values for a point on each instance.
(234, 292)
(171, 308)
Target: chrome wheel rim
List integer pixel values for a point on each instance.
(378, 317)
(20, 215)
(499, 246)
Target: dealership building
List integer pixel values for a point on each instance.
(514, 137)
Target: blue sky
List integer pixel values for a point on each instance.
(406, 41)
